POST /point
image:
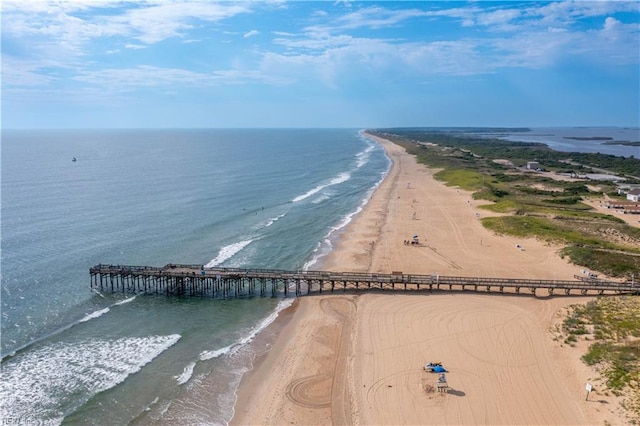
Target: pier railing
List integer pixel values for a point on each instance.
(196, 280)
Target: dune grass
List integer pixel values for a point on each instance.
(612, 324)
(468, 180)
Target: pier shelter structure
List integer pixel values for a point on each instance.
(196, 280)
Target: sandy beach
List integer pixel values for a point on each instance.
(357, 359)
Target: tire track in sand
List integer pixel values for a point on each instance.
(330, 388)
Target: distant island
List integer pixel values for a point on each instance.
(625, 143)
(607, 140)
(589, 138)
(465, 130)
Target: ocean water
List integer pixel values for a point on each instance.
(241, 198)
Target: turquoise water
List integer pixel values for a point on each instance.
(242, 198)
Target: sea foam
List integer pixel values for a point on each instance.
(340, 178)
(48, 383)
(271, 221)
(93, 315)
(101, 312)
(326, 245)
(244, 340)
(362, 157)
(127, 300)
(186, 374)
(96, 314)
(227, 252)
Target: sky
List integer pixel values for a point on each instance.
(357, 64)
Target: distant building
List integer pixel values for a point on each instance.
(533, 165)
(633, 195)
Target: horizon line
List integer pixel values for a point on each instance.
(566, 126)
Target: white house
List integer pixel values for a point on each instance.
(533, 165)
(634, 195)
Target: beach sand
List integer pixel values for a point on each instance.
(357, 359)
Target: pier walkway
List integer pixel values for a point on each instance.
(195, 280)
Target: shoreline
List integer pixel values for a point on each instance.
(263, 362)
(356, 359)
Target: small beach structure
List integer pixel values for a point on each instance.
(434, 367)
(441, 381)
(626, 207)
(634, 195)
(442, 385)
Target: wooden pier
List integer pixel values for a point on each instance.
(195, 280)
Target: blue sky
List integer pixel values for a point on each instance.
(107, 63)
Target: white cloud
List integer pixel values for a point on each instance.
(128, 79)
(18, 72)
(314, 42)
(611, 24)
(498, 17)
(376, 60)
(135, 46)
(448, 58)
(47, 6)
(328, 51)
(55, 38)
(156, 23)
(566, 12)
(148, 22)
(141, 76)
(465, 14)
(544, 36)
(617, 42)
(377, 17)
(370, 17)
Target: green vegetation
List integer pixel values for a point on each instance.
(613, 324)
(465, 179)
(611, 262)
(541, 227)
(518, 152)
(536, 205)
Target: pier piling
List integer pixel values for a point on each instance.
(224, 283)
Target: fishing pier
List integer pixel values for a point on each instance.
(196, 280)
